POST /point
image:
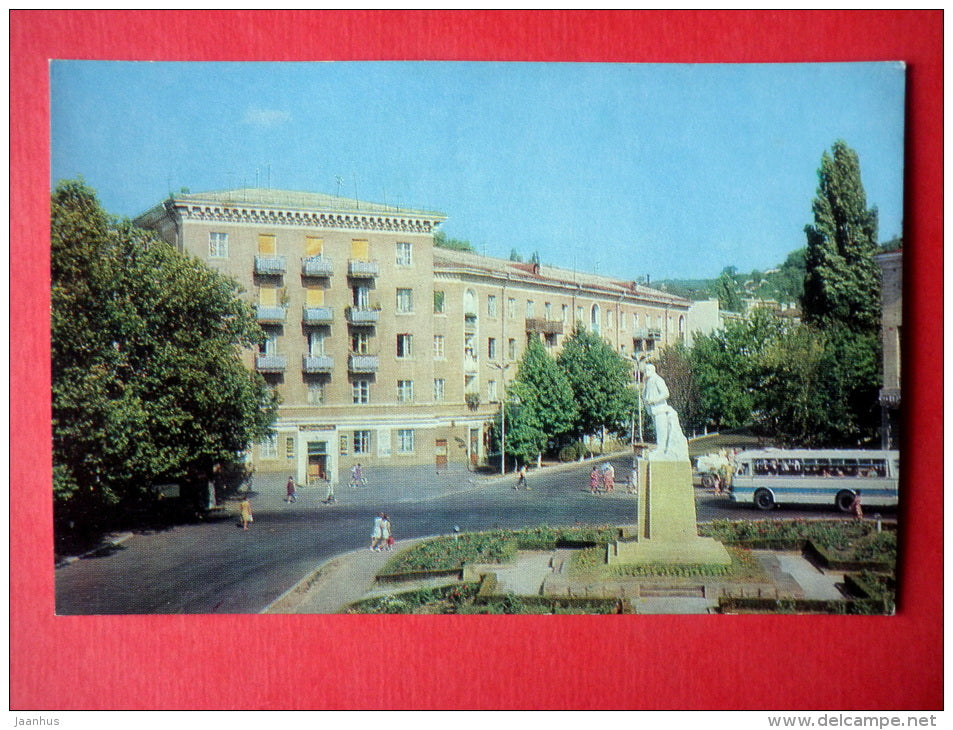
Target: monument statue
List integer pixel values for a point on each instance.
(671, 442)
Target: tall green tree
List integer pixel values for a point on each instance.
(726, 289)
(148, 383)
(602, 383)
(542, 407)
(842, 279)
(675, 365)
(842, 295)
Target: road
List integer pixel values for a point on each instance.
(215, 567)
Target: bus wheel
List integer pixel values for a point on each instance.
(763, 499)
(844, 500)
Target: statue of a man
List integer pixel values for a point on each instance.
(672, 444)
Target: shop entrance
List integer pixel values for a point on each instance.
(317, 461)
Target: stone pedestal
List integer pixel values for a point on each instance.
(667, 529)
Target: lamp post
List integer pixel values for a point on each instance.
(639, 359)
(502, 367)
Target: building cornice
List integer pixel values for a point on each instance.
(273, 216)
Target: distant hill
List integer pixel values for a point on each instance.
(784, 284)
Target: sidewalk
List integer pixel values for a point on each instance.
(396, 484)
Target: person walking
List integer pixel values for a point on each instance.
(594, 480)
(357, 476)
(377, 531)
(855, 507)
(291, 489)
(245, 513)
(329, 499)
(521, 479)
(385, 532)
(608, 478)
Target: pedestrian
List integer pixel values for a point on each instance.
(385, 532)
(357, 476)
(856, 508)
(330, 498)
(609, 477)
(594, 480)
(521, 479)
(376, 531)
(290, 488)
(244, 511)
(633, 485)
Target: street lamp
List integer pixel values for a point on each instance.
(639, 360)
(502, 366)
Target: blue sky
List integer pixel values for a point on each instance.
(627, 170)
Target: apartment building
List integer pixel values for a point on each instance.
(384, 349)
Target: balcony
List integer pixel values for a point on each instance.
(655, 334)
(270, 363)
(317, 363)
(470, 363)
(362, 315)
(640, 333)
(316, 266)
(470, 323)
(317, 315)
(544, 326)
(363, 269)
(270, 265)
(362, 363)
(270, 315)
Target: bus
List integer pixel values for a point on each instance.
(771, 477)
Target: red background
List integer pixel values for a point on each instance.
(373, 662)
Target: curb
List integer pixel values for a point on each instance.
(114, 542)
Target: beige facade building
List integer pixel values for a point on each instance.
(384, 349)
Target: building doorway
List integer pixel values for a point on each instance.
(317, 461)
(440, 453)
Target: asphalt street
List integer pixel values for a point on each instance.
(216, 567)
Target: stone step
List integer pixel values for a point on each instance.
(662, 591)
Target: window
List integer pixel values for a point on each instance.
(439, 302)
(404, 254)
(270, 345)
(290, 447)
(315, 394)
(550, 339)
(565, 314)
(405, 391)
(469, 302)
(313, 246)
(269, 447)
(405, 300)
(530, 309)
(491, 308)
(595, 319)
(511, 308)
(404, 345)
(491, 348)
(361, 297)
(405, 440)
(218, 245)
(491, 395)
(621, 320)
(362, 442)
(548, 306)
(579, 318)
(360, 343)
(361, 392)
(438, 347)
(316, 343)
(470, 384)
(267, 244)
(511, 349)
(439, 389)
(610, 319)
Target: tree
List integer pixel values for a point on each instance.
(441, 240)
(544, 408)
(675, 365)
(601, 381)
(148, 385)
(842, 295)
(842, 280)
(726, 289)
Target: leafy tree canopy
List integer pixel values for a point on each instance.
(601, 380)
(148, 383)
(441, 240)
